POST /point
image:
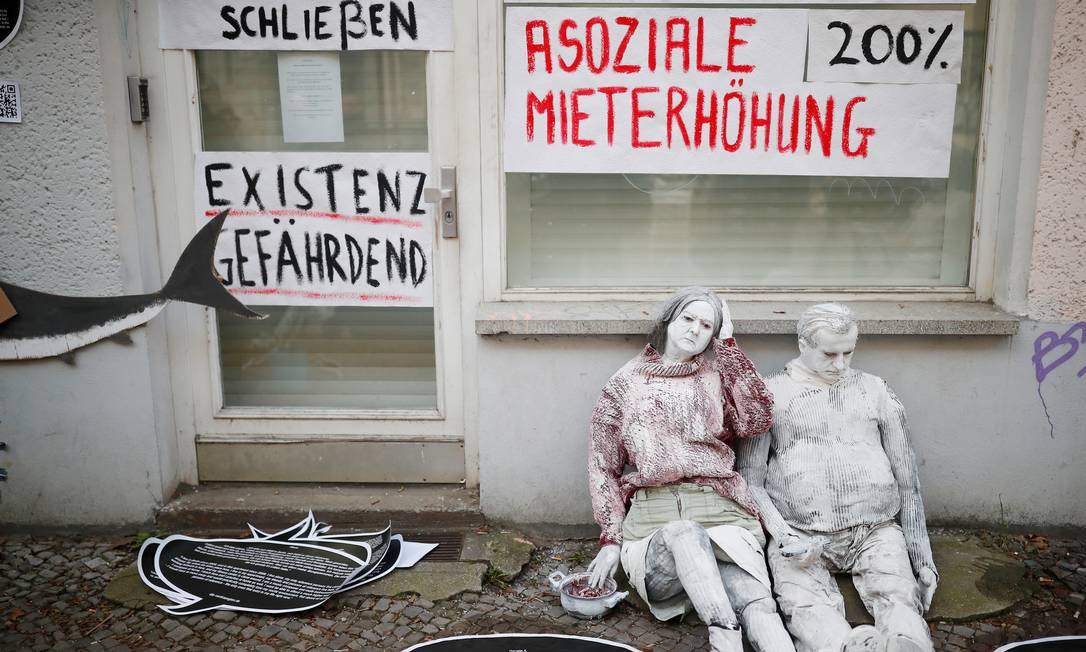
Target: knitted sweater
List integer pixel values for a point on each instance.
(838, 456)
(673, 423)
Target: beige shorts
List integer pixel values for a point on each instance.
(654, 507)
(736, 535)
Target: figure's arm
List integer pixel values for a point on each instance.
(606, 459)
(748, 403)
(752, 459)
(895, 442)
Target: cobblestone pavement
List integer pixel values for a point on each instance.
(51, 599)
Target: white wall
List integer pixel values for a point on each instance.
(89, 444)
(977, 423)
(1057, 289)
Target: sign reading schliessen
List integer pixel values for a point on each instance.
(724, 91)
(330, 229)
(305, 25)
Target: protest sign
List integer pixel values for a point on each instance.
(332, 229)
(894, 47)
(703, 90)
(305, 25)
(750, 3)
(295, 569)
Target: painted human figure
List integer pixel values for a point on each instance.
(682, 522)
(836, 483)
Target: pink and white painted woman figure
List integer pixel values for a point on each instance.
(682, 522)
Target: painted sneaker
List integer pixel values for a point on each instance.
(865, 638)
(902, 644)
(725, 640)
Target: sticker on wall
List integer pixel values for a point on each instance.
(524, 642)
(328, 229)
(11, 102)
(54, 325)
(11, 17)
(292, 570)
(706, 91)
(305, 25)
(311, 97)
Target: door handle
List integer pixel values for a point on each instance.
(444, 197)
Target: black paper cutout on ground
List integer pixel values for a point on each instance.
(11, 17)
(294, 569)
(525, 642)
(1053, 644)
(53, 325)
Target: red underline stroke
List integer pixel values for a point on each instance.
(369, 219)
(363, 298)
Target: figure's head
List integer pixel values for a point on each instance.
(686, 322)
(827, 339)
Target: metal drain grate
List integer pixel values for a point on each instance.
(449, 545)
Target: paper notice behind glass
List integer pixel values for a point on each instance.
(890, 47)
(311, 97)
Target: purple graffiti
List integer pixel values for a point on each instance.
(1050, 341)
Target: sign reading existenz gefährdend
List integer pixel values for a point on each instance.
(305, 25)
(726, 91)
(309, 228)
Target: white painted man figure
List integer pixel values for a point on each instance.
(836, 484)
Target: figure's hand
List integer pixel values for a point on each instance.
(726, 328)
(927, 580)
(805, 550)
(603, 566)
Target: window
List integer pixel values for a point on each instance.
(610, 231)
(321, 357)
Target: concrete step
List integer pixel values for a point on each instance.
(228, 507)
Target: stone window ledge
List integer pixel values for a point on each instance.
(749, 317)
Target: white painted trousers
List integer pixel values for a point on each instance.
(882, 573)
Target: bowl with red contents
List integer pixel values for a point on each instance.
(580, 599)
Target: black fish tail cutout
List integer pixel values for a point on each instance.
(194, 278)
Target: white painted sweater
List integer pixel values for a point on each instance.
(837, 456)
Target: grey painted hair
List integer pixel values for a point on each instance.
(837, 318)
(674, 305)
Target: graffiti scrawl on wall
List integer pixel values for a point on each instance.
(1052, 350)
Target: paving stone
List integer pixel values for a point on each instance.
(179, 633)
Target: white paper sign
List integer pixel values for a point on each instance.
(305, 25)
(11, 103)
(715, 91)
(754, 2)
(331, 229)
(311, 97)
(895, 47)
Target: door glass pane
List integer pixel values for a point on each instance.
(341, 357)
(641, 230)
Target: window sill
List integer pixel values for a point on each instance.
(749, 318)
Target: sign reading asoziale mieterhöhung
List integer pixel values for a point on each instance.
(305, 25)
(724, 91)
(311, 228)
